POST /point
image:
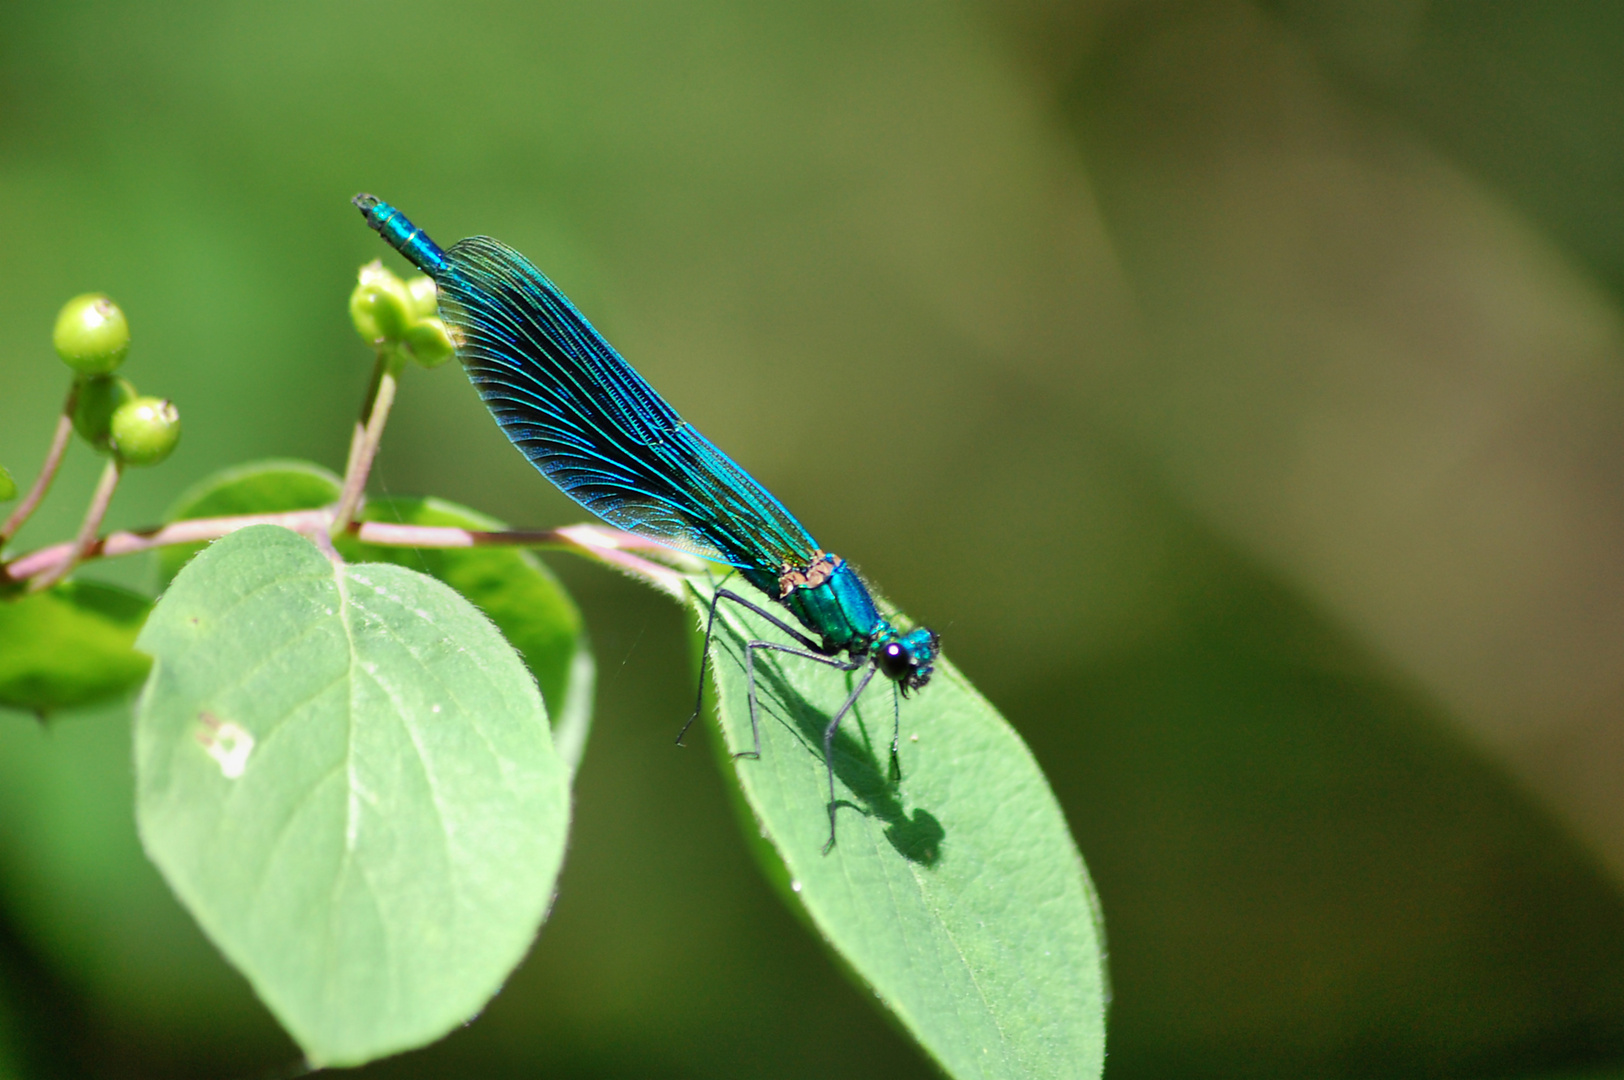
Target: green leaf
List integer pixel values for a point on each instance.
(957, 895)
(260, 487)
(511, 586)
(69, 646)
(346, 776)
(518, 593)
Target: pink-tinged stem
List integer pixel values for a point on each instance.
(364, 447)
(613, 547)
(85, 542)
(47, 471)
(195, 531)
(605, 545)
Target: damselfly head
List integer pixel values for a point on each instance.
(907, 659)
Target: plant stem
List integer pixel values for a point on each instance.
(47, 471)
(88, 531)
(603, 545)
(614, 548)
(368, 434)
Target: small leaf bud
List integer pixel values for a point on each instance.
(91, 334)
(425, 297)
(8, 486)
(380, 306)
(430, 342)
(99, 398)
(145, 430)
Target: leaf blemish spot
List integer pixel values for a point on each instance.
(227, 743)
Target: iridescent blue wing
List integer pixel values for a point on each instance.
(592, 426)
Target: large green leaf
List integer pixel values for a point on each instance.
(957, 894)
(346, 775)
(70, 645)
(519, 594)
(510, 585)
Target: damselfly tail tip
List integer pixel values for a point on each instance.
(364, 203)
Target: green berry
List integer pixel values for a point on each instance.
(430, 342)
(8, 486)
(380, 306)
(145, 430)
(91, 334)
(99, 398)
(425, 297)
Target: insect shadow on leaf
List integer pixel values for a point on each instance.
(918, 837)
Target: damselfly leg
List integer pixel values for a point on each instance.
(808, 650)
(704, 652)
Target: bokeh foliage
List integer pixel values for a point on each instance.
(1235, 386)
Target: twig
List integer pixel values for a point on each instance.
(194, 531)
(86, 540)
(604, 545)
(364, 446)
(47, 471)
(613, 547)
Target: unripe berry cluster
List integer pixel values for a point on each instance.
(92, 337)
(391, 313)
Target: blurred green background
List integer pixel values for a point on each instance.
(1238, 387)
